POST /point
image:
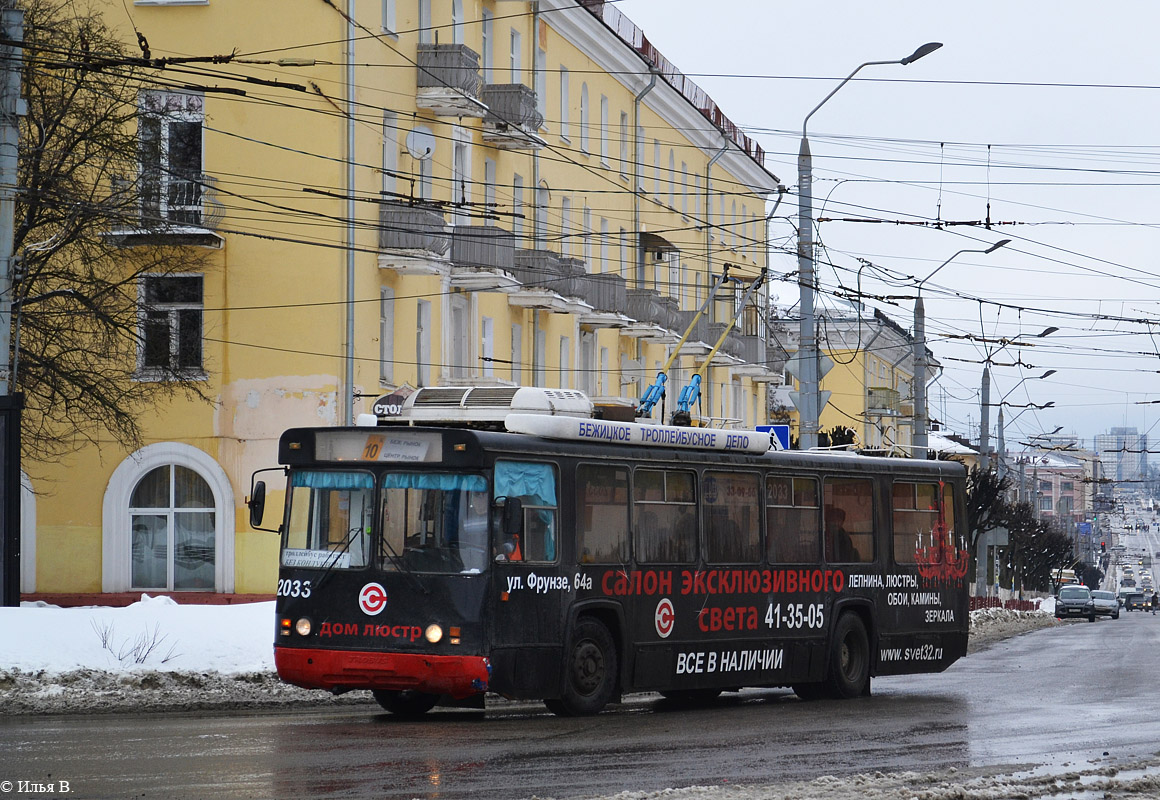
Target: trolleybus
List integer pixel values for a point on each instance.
(502, 540)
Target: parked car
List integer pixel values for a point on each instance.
(1135, 602)
(1107, 604)
(1075, 601)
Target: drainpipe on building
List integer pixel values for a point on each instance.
(347, 397)
(637, 151)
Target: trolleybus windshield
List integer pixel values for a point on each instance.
(436, 521)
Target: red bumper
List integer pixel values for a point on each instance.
(457, 676)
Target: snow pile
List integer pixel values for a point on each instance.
(157, 655)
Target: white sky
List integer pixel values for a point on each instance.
(1090, 242)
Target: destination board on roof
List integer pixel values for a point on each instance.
(610, 432)
(379, 444)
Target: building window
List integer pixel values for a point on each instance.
(539, 356)
(565, 362)
(586, 234)
(487, 55)
(389, 17)
(684, 188)
(517, 354)
(566, 226)
(457, 21)
(171, 327)
(516, 64)
(543, 197)
(460, 176)
(605, 374)
(672, 180)
(518, 208)
(541, 85)
(489, 191)
(624, 144)
(588, 362)
(623, 253)
(386, 335)
(656, 169)
(459, 307)
(487, 347)
(604, 130)
(423, 343)
(564, 102)
(172, 531)
(170, 154)
(425, 36)
(584, 117)
(390, 152)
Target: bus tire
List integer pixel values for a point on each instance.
(849, 658)
(405, 703)
(590, 670)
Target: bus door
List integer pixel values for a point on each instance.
(531, 588)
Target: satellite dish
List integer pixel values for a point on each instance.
(421, 143)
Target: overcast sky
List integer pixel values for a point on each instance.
(1051, 112)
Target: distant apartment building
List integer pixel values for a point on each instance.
(1124, 454)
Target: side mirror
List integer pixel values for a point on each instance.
(513, 516)
(257, 504)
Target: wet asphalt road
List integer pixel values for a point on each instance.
(1058, 695)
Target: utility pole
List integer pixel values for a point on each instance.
(11, 107)
(985, 419)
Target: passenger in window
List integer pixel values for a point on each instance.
(844, 545)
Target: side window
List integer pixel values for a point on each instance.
(732, 517)
(915, 515)
(849, 520)
(792, 520)
(602, 514)
(664, 508)
(171, 326)
(535, 485)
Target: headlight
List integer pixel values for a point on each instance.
(433, 633)
(302, 626)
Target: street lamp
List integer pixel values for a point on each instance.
(985, 404)
(1002, 427)
(919, 420)
(808, 402)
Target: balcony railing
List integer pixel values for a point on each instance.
(884, 401)
(414, 229)
(483, 247)
(604, 291)
(449, 80)
(538, 268)
(165, 210)
(512, 118)
(732, 344)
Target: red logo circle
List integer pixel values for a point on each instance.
(665, 617)
(372, 599)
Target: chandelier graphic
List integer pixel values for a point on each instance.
(942, 559)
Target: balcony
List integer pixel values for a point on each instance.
(883, 402)
(413, 238)
(697, 343)
(540, 275)
(168, 210)
(752, 350)
(449, 81)
(483, 259)
(512, 120)
(606, 293)
(655, 319)
(729, 354)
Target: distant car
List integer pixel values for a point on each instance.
(1135, 602)
(1107, 604)
(1075, 601)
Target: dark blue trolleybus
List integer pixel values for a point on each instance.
(503, 540)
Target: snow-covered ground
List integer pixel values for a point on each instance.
(158, 655)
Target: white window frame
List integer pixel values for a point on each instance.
(518, 208)
(388, 22)
(565, 381)
(172, 371)
(541, 86)
(489, 191)
(517, 354)
(566, 235)
(487, 346)
(624, 145)
(426, 35)
(168, 108)
(116, 538)
(516, 66)
(423, 326)
(586, 235)
(603, 246)
(672, 179)
(604, 131)
(584, 117)
(457, 21)
(487, 49)
(564, 103)
(390, 153)
(386, 336)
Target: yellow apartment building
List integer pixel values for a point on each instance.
(473, 192)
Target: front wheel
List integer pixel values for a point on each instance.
(1091, 618)
(405, 703)
(849, 658)
(590, 670)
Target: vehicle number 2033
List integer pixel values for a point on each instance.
(289, 588)
(795, 615)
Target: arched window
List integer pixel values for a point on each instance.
(168, 522)
(171, 519)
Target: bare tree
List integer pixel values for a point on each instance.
(78, 303)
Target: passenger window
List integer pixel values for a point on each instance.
(535, 485)
(792, 521)
(916, 516)
(848, 512)
(602, 514)
(665, 516)
(732, 521)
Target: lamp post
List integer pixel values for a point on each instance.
(1002, 427)
(919, 420)
(808, 398)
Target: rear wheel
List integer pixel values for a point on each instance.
(849, 666)
(405, 703)
(590, 670)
